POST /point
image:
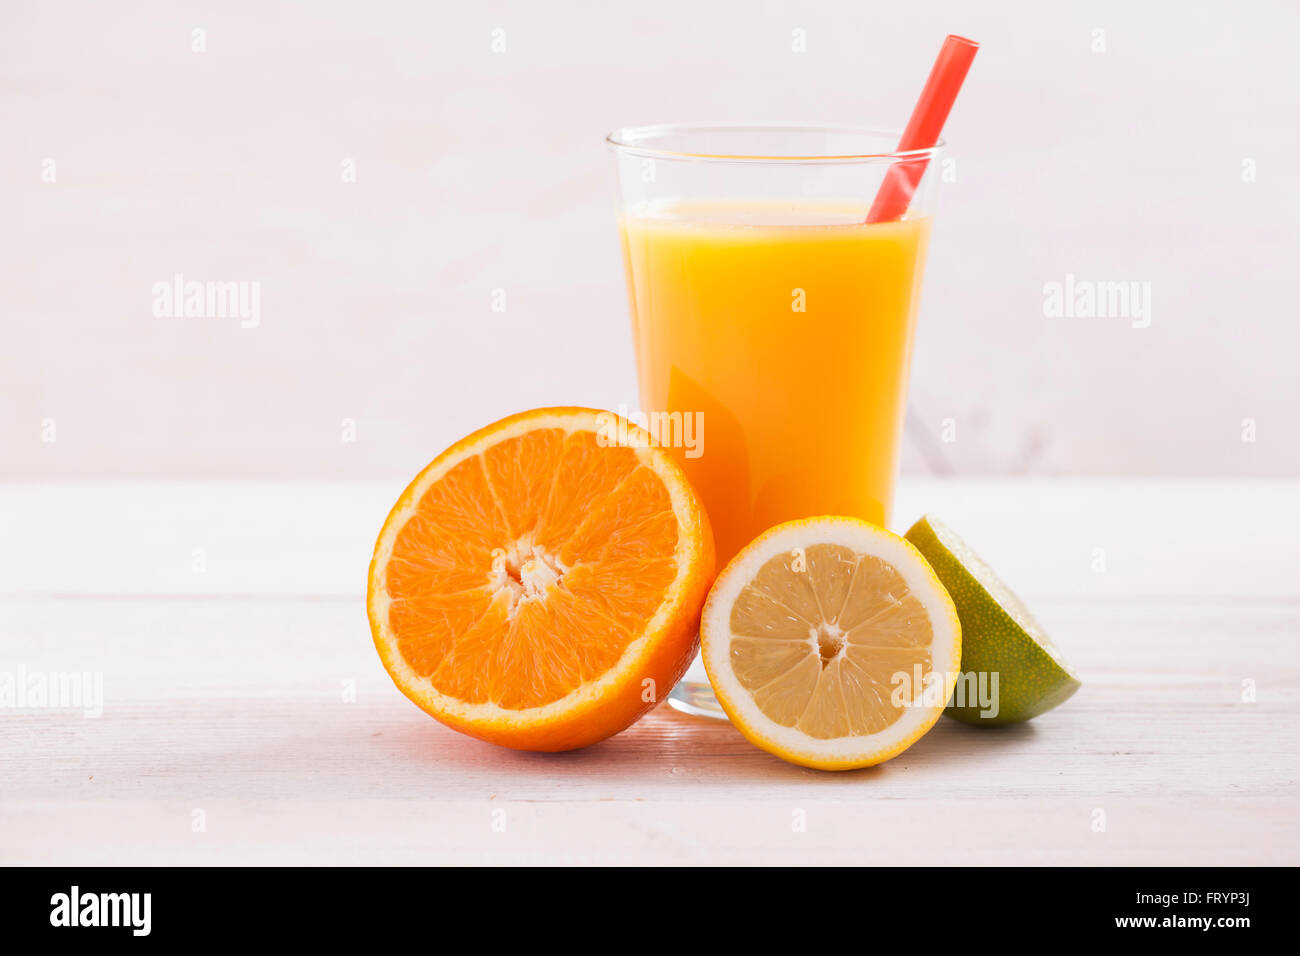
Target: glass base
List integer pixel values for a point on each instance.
(693, 695)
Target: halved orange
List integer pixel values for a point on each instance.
(539, 583)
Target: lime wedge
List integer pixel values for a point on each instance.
(1011, 671)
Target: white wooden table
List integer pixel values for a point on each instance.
(246, 718)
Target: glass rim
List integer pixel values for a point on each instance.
(629, 141)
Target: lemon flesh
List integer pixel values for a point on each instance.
(831, 643)
(817, 647)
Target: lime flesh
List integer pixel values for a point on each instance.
(1011, 671)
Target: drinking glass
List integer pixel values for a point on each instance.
(773, 325)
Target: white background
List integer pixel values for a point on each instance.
(479, 170)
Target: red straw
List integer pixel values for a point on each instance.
(923, 129)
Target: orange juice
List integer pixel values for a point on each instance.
(786, 328)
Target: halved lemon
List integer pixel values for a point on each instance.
(831, 643)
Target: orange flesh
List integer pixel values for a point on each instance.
(818, 637)
(528, 569)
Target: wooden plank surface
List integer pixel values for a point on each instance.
(1078, 537)
(267, 717)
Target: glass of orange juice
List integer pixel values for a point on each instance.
(773, 325)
